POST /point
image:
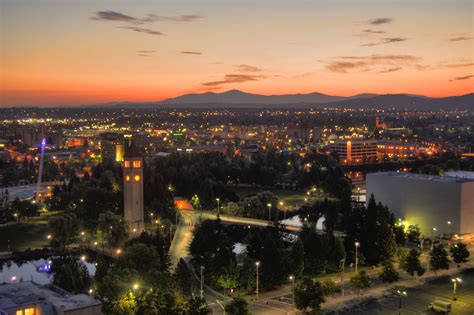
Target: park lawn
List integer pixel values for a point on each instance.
(291, 198)
(24, 235)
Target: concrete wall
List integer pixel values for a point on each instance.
(428, 203)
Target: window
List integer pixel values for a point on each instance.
(26, 311)
(137, 164)
(126, 164)
(137, 178)
(127, 178)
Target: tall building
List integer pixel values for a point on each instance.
(111, 150)
(426, 200)
(133, 187)
(355, 151)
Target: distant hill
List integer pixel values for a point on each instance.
(239, 97)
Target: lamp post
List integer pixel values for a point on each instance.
(257, 264)
(356, 244)
(432, 236)
(455, 282)
(292, 278)
(449, 229)
(202, 279)
(218, 201)
(400, 295)
(269, 205)
(284, 212)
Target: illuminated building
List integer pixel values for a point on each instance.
(29, 298)
(133, 187)
(112, 150)
(396, 149)
(354, 151)
(426, 200)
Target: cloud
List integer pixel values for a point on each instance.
(234, 78)
(390, 70)
(149, 18)
(247, 68)
(384, 41)
(144, 55)
(114, 16)
(466, 77)
(459, 65)
(141, 30)
(146, 51)
(460, 38)
(191, 53)
(379, 21)
(369, 32)
(377, 63)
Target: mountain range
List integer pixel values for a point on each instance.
(239, 99)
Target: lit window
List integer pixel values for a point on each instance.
(137, 164)
(26, 311)
(127, 164)
(137, 178)
(127, 178)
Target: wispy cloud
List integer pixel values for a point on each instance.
(384, 41)
(466, 77)
(145, 53)
(115, 16)
(369, 32)
(247, 68)
(191, 53)
(379, 21)
(459, 38)
(142, 30)
(234, 78)
(390, 70)
(459, 65)
(374, 63)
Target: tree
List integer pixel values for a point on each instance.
(114, 229)
(389, 274)
(158, 301)
(64, 229)
(309, 294)
(413, 233)
(70, 275)
(197, 306)
(411, 263)
(238, 306)
(459, 253)
(439, 258)
(360, 281)
(297, 258)
(24, 208)
(140, 257)
(126, 304)
(229, 279)
(183, 277)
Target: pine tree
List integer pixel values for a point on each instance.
(459, 253)
(411, 263)
(439, 258)
(389, 274)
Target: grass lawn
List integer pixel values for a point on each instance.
(291, 198)
(24, 235)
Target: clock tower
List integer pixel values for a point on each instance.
(133, 187)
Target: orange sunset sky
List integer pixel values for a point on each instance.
(56, 52)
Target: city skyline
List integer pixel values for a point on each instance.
(98, 51)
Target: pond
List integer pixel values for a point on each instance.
(33, 270)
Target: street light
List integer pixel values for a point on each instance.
(292, 278)
(135, 286)
(218, 201)
(269, 205)
(257, 264)
(449, 229)
(400, 295)
(356, 244)
(202, 291)
(455, 282)
(432, 236)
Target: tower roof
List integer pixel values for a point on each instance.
(131, 150)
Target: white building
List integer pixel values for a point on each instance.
(426, 200)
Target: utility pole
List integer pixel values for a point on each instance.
(257, 264)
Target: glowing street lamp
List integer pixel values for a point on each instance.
(455, 282)
(257, 264)
(135, 286)
(49, 237)
(356, 244)
(118, 251)
(269, 205)
(292, 278)
(433, 236)
(218, 204)
(400, 295)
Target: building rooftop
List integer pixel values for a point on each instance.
(14, 295)
(457, 179)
